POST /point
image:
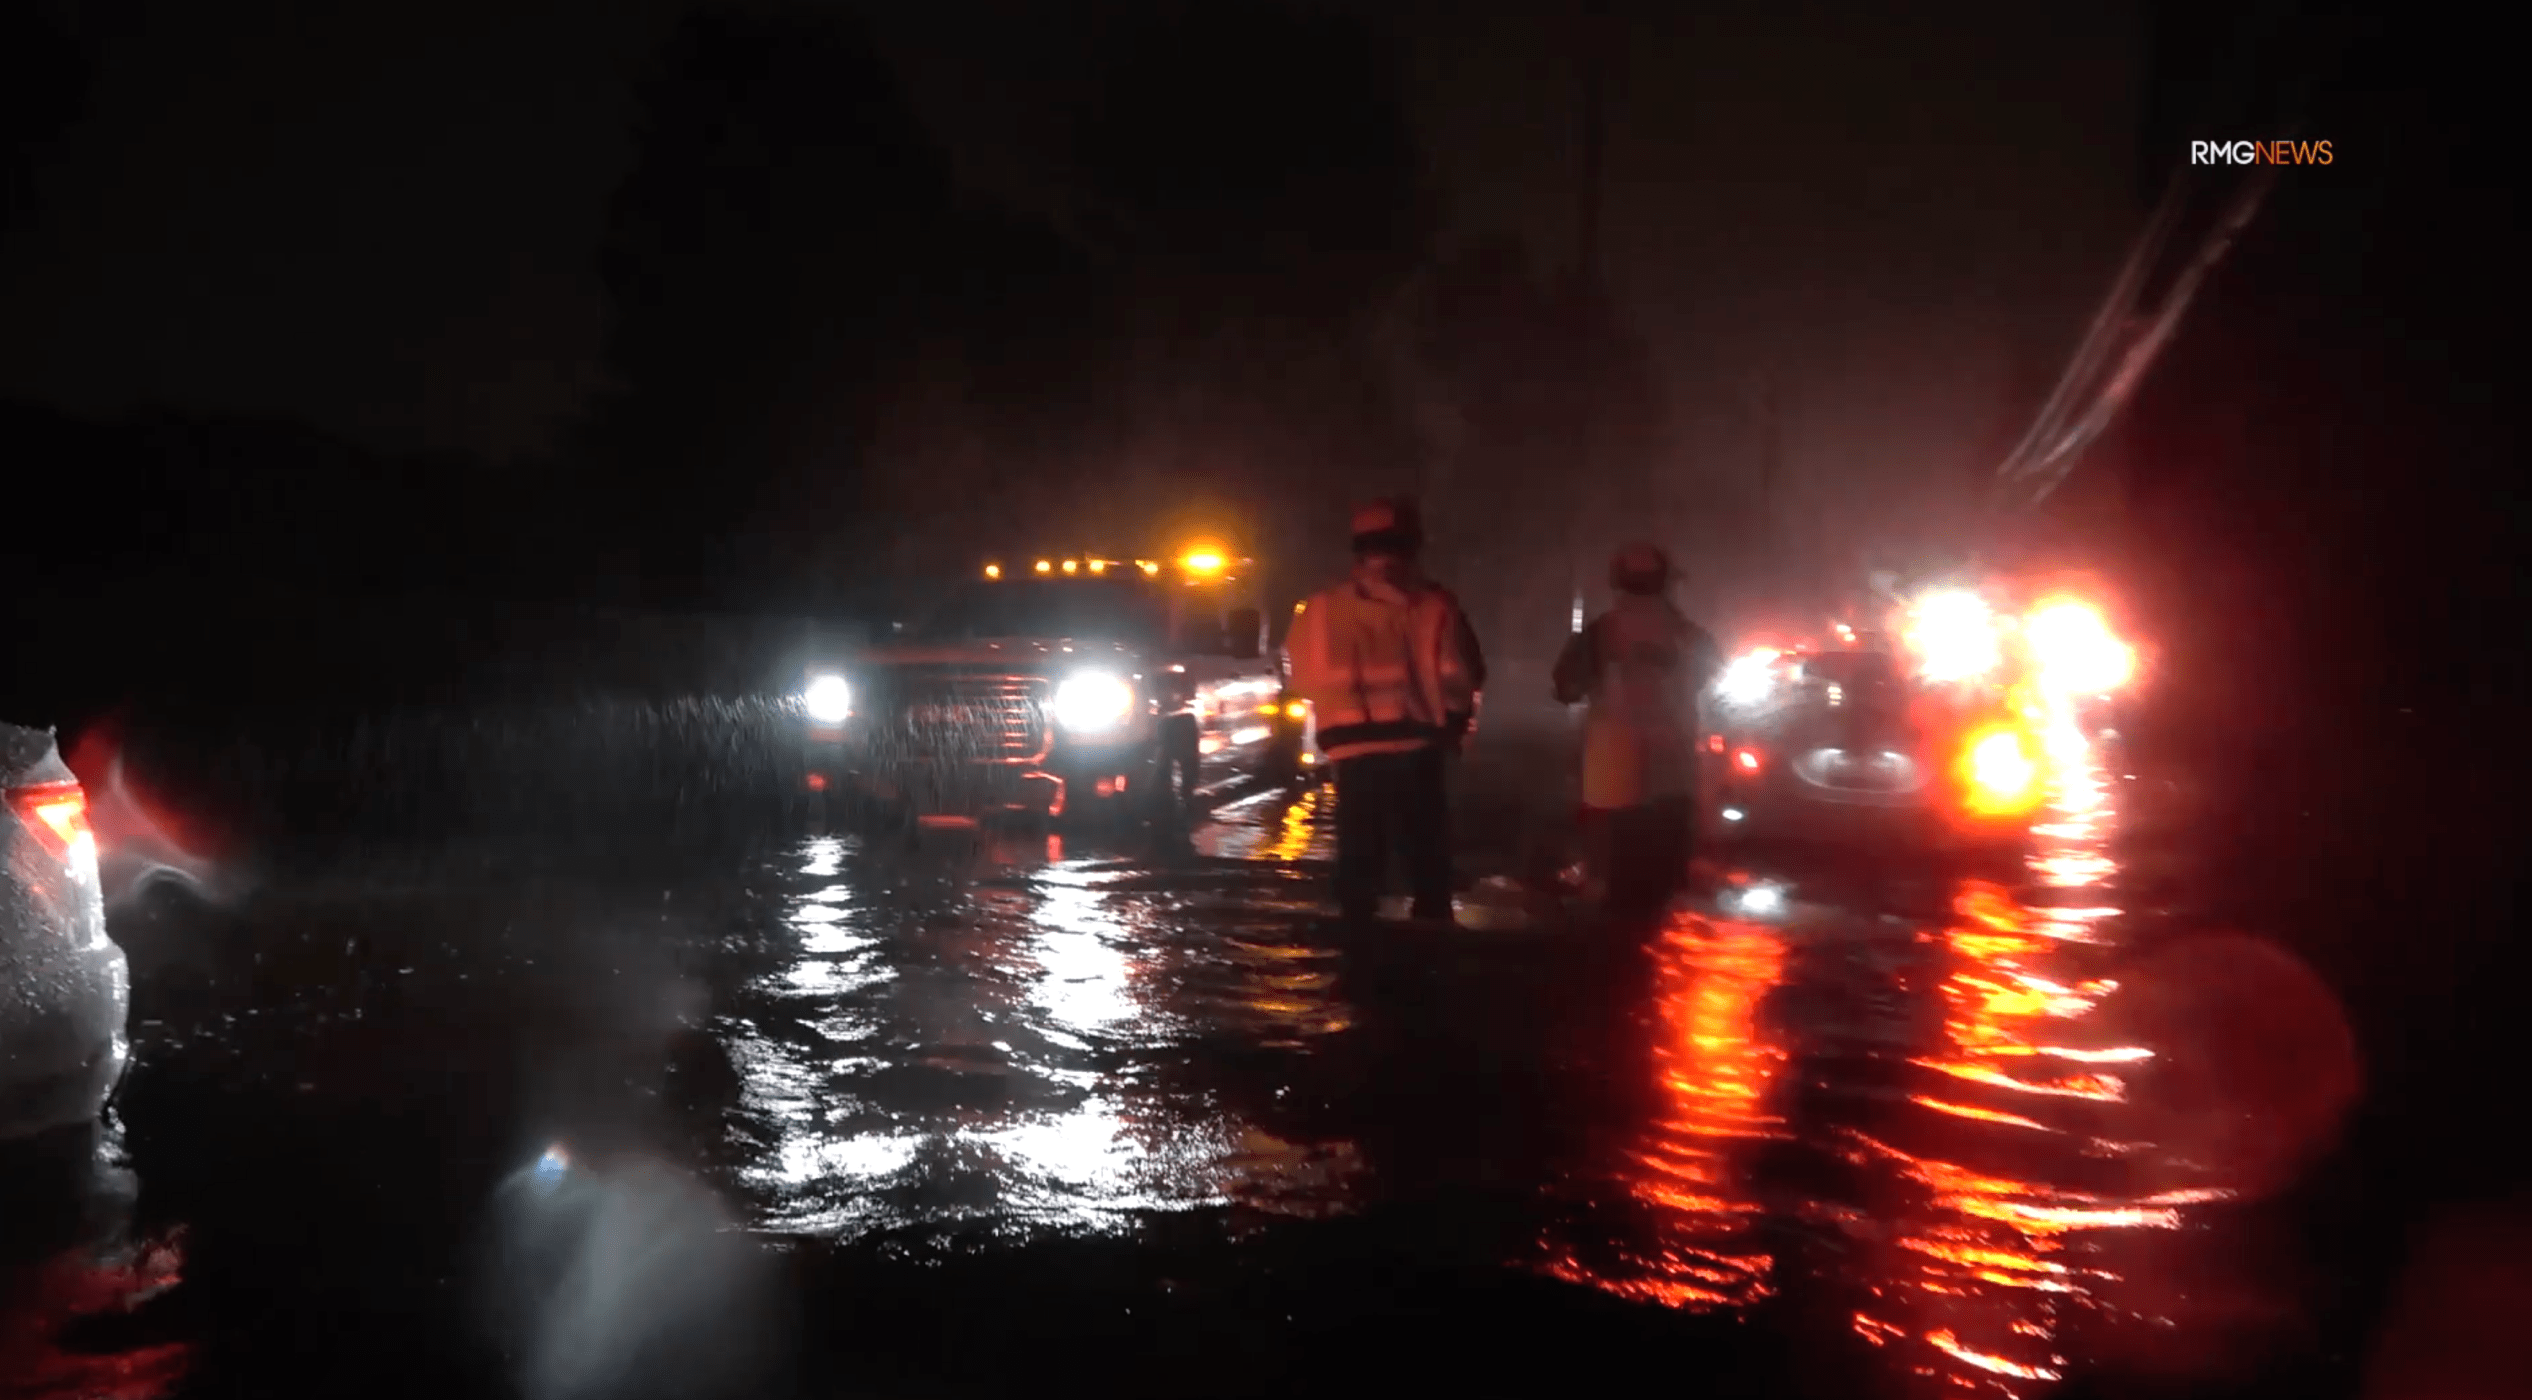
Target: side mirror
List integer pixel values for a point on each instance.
(1248, 633)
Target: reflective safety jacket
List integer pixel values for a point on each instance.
(1643, 666)
(1388, 663)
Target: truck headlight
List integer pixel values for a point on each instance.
(828, 699)
(1092, 702)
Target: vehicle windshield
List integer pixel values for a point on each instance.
(1107, 610)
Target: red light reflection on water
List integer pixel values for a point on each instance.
(1685, 1176)
(1992, 1212)
(2006, 1201)
(85, 1284)
(1988, 1260)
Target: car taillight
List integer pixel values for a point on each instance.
(58, 815)
(1746, 760)
(1714, 743)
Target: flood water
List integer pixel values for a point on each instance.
(820, 1112)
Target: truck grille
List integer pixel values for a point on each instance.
(977, 719)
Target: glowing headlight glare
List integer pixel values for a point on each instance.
(1093, 700)
(1749, 678)
(2076, 652)
(829, 699)
(1954, 636)
(1763, 899)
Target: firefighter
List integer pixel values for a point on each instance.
(1642, 666)
(1392, 671)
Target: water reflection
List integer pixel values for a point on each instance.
(1022, 1048)
(50, 1288)
(1274, 826)
(1981, 1257)
(1685, 1212)
(1985, 1193)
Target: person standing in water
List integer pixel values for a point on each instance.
(1391, 669)
(1642, 666)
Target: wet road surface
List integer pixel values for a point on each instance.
(821, 1113)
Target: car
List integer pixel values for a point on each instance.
(65, 989)
(1943, 742)
(1079, 689)
(1844, 748)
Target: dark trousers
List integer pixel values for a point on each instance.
(1392, 802)
(1645, 852)
(1182, 754)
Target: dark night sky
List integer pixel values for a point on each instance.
(380, 218)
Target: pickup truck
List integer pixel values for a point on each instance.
(1091, 688)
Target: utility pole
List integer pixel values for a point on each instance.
(1587, 289)
(1595, 78)
(1766, 407)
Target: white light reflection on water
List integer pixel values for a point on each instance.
(1078, 945)
(795, 1089)
(1021, 1057)
(1107, 1156)
(1116, 1147)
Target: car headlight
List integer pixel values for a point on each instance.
(1762, 901)
(1749, 679)
(1954, 636)
(2074, 649)
(1093, 701)
(828, 699)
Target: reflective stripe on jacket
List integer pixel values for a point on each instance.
(1642, 665)
(1388, 665)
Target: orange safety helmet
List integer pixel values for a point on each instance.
(1391, 525)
